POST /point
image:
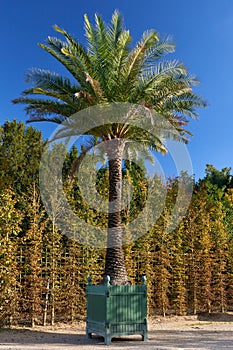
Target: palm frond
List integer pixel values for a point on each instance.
(157, 92)
(54, 47)
(101, 30)
(50, 81)
(75, 51)
(115, 30)
(38, 109)
(154, 80)
(137, 151)
(160, 48)
(90, 33)
(185, 104)
(147, 139)
(133, 68)
(53, 85)
(117, 58)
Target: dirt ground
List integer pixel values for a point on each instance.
(171, 333)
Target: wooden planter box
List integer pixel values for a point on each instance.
(114, 311)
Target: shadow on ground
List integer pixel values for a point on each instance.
(32, 337)
(192, 337)
(215, 317)
(28, 336)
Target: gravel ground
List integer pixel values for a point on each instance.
(170, 333)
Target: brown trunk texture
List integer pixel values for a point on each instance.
(115, 263)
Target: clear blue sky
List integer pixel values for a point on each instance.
(202, 31)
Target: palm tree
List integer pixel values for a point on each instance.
(108, 70)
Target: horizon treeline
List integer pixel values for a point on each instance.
(43, 272)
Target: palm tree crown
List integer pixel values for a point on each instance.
(107, 69)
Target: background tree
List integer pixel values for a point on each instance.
(179, 272)
(161, 283)
(220, 239)
(220, 178)
(20, 153)
(199, 252)
(229, 223)
(32, 244)
(10, 219)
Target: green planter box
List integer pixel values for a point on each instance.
(114, 311)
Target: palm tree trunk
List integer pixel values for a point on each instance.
(114, 263)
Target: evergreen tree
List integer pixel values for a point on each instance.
(229, 224)
(221, 178)
(220, 247)
(161, 259)
(179, 272)
(32, 244)
(198, 246)
(10, 220)
(20, 154)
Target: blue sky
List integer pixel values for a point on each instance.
(202, 31)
